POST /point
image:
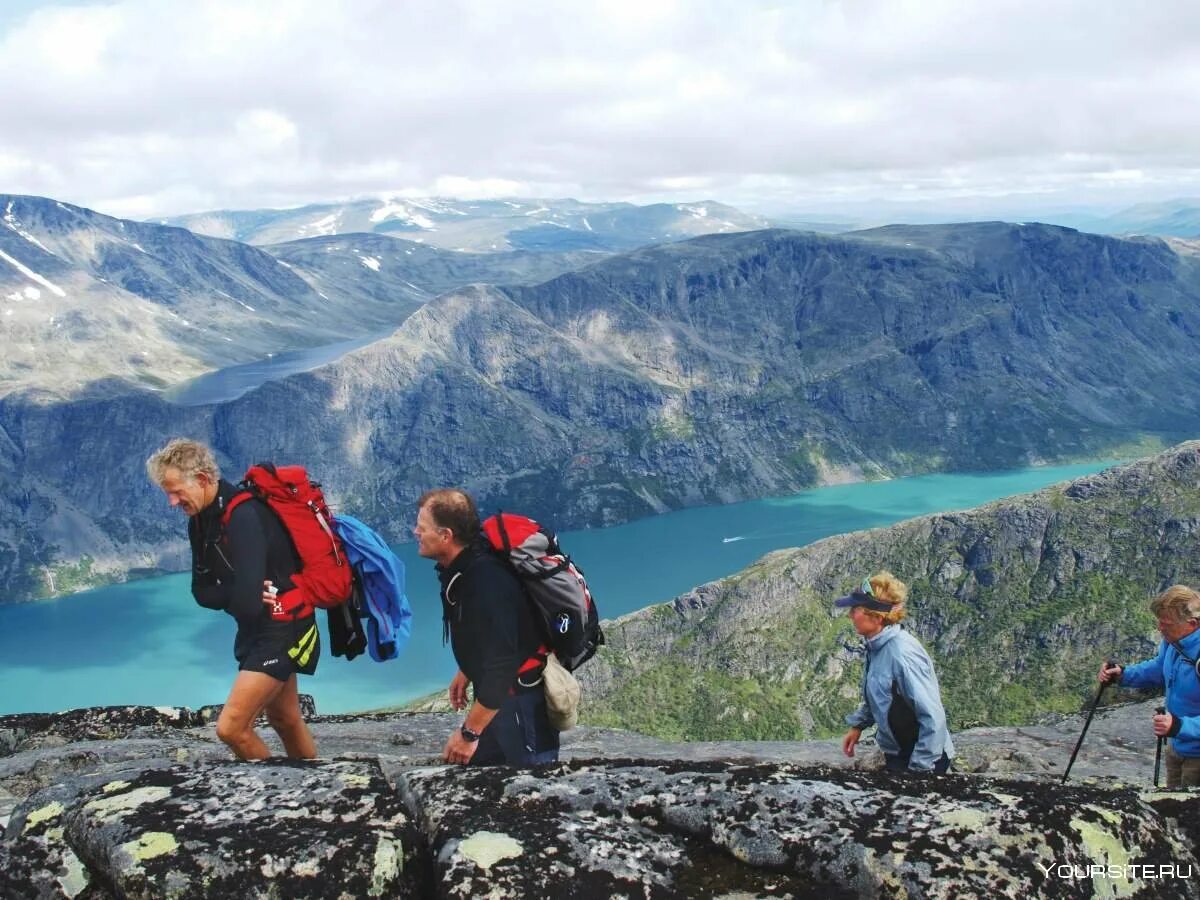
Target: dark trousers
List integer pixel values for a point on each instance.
(1182, 771)
(898, 762)
(520, 734)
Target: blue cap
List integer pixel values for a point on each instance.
(858, 598)
(864, 596)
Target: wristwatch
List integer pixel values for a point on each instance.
(468, 735)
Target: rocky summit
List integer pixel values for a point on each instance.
(140, 802)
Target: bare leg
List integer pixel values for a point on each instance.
(283, 712)
(250, 694)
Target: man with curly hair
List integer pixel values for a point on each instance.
(232, 562)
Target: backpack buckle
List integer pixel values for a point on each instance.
(531, 684)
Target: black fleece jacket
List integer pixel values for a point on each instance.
(492, 629)
(229, 566)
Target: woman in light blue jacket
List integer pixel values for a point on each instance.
(901, 696)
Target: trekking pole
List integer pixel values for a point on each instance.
(1079, 743)
(1160, 710)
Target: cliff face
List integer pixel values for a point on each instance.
(1017, 602)
(139, 802)
(719, 369)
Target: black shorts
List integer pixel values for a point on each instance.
(283, 659)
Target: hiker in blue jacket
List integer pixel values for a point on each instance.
(900, 689)
(1173, 668)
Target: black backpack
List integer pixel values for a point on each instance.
(555, 586)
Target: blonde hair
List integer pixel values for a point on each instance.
(189, 457)
(1178, 603)
(887, 588)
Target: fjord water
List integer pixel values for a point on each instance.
(147, 642)
(231, 382)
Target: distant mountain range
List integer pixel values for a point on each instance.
(706, 371)
(1017, 601)
(485, 226)
(1166, 218)
(97, 304)
(1180, 218)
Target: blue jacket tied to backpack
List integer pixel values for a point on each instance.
(900, 673)
(1172, 671)
(381, 575)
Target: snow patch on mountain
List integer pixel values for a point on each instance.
(11, 221)
(434, 205)
(389, 210)
(323, 226)
(402, 212)
(33, 276)
(237, 301)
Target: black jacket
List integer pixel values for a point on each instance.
(229, 566)
(492, 629)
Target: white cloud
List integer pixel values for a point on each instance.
(474, 188)
(265, 131)
(165, 106)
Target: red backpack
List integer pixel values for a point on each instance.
(325, 578)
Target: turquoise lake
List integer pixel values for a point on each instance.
(147, 642)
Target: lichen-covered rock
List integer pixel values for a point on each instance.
(279, 829)
(208, 715)
(88, 724)
(35, 859)
(164, 812)
(630, 829)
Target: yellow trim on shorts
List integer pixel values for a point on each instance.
(304, 647)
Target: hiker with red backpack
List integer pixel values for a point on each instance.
(494, 636)
(239, 546)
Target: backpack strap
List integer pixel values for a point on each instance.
(502, 531)
(530, 673)
(234, 502)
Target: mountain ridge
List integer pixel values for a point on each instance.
(481, 225)
(91, 304)
(1017, 602)
(720, 369)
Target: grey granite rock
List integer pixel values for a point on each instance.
(631, 829)
(292, 829)
(169, 815)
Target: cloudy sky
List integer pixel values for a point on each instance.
(144, 108)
